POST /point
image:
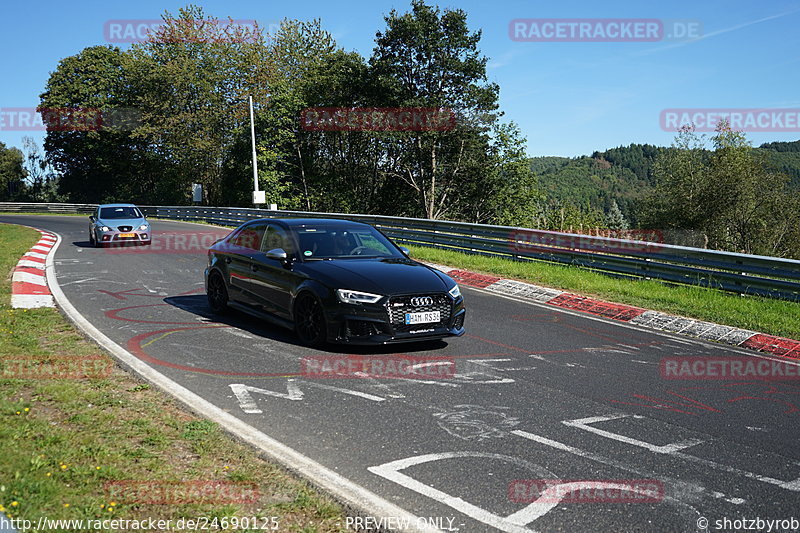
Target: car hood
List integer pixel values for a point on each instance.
(378, 276)
(114, 222)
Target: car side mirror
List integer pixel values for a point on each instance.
(405, 251)
(279, 254)
(91, 218)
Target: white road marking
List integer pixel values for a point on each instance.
(293, 393)
(515, 522)
(688, 487)
(721, 496)
(673, 451)
(360, 394)
(238, 333)
(584, 423)
(248, 404)
(391, 471)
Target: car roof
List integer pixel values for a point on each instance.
(301, 222)
(116, 205)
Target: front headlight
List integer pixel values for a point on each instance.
(455, 292)
(355, 297)
(105, 228)
(143, 227)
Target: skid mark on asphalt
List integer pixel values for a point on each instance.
(726, 393)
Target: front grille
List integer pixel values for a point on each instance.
(125, 228)
(400, 305)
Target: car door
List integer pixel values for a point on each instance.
(93, 220)
(239, 255)
(274, 280)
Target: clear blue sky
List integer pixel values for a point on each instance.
(569, 98)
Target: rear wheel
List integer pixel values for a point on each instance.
(309, 321)
(217, 293)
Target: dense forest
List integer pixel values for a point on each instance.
(144, 124)
(589, 186)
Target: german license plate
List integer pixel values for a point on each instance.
(423, 318)
(127, 235)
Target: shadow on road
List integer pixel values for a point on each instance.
(197, 304)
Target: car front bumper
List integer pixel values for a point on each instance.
(382, 324)
(115, 236)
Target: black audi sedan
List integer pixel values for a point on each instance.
(332, 281)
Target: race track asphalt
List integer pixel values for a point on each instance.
(539, 394)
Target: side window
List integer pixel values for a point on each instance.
(250, 236)
(277, 237)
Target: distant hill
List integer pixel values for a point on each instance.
(624, 174)
(620, 174)
(785, 157)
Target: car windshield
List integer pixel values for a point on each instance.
(332, 242)
(119, 212)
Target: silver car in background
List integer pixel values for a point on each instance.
(118, 224)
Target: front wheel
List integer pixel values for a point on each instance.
(309, 321)
(217, 293)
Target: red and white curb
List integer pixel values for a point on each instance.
(29, 281)
(742, 338)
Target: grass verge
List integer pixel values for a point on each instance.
(767, 315)
(64, 440)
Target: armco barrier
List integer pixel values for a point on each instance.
(740, 273)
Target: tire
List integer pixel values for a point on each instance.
(217, 293)
(309, 321)
(92, 240)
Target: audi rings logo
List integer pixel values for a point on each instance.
(422, 301)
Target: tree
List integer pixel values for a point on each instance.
(728, 193)
(191, 80)
(98, 160)
(12, 173)
(683, 187)
(429, 59)
(615, 219)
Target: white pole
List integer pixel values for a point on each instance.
(253, 139)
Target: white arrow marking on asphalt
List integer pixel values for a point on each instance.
(672, 450)
(248, 404)
(583, 423)
(293, 393)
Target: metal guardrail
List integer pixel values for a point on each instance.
(740, 273)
